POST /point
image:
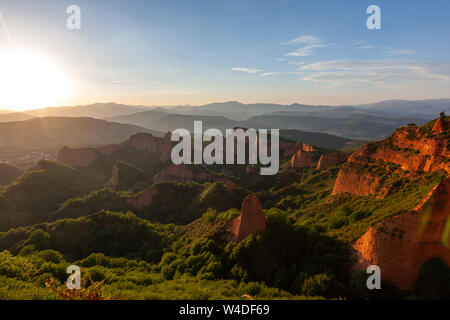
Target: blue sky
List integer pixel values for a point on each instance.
(163, 52)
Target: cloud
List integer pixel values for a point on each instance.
(247, 70)
(334, 73)
(309, 44)
(307, 39)
(400, 51)
(366, 46)
(267, 74)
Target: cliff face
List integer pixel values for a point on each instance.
(303, 157)
(77, 158)
(331, 159)
(401, 244)
(143, 199)
(351, 179)
(412, 149)
(251, 220)
(154, 145)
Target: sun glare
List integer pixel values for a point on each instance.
(29, 80)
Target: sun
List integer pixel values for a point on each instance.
(29, 80)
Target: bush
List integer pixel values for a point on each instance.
(51, 256)
(434, 280)
(323, 285)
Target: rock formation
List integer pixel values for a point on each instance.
(77, 158)
(144, 142)
(401, 244)
(154, 145)
(302, 159)
(251, 220)
(413, 149)
(143, 198)
(331, 159)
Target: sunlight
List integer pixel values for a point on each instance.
(29, 80)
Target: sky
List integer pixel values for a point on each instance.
(164, 52)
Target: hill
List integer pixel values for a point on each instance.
(96, 110)
(49, 134)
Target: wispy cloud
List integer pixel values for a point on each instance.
(307, 39)
(366, 46)
(247, 70)
(310, 43)
(334, 73)
(400, 51)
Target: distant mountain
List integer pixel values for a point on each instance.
(96, 110)
(323, 140)
(355, 126)
(15, 116)
(162, 121)
(425, 109)
(52, 133)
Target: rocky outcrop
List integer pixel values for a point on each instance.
(290, 148)
(440, 125)
(307, 147)
(251, 221)
(331, 159)
(401, 244)
(412, 149)
(154, 145)
(353, 179)
(143, 142)
(304, 156)
(143, 199)
(302, 159)
(77, 158)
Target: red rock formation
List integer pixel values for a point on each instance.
(108, 149)
(84, 157)
(290, 148)
(143, 199)
(77, 158)
(154, 145)
(440, 125)
(302, 159)
(413, 149)
(401, 244)
(251, 220)
(331, 159)
(354, 181)
(307, 147)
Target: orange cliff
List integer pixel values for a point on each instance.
(251, 221)
(331, 159)
(303, 157)
(414, 149)
(401, 244)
